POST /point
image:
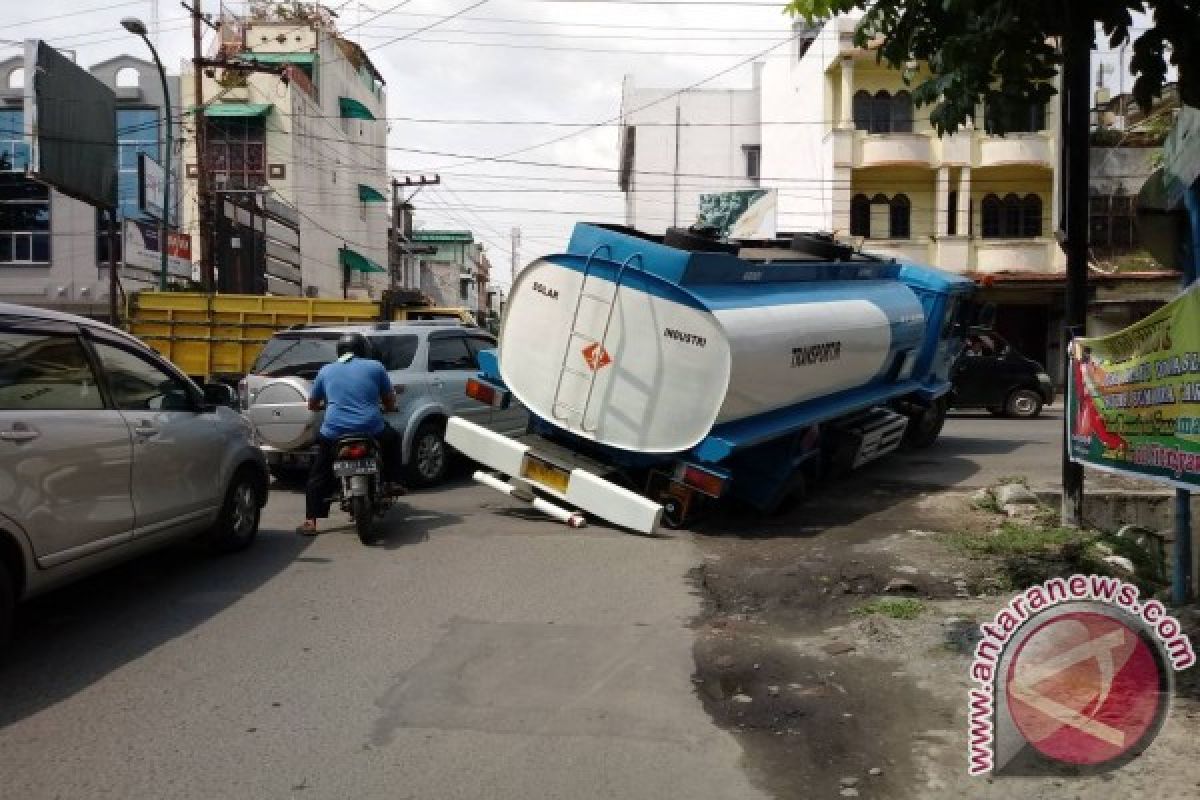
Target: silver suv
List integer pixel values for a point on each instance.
(429, 364)
(107, 450)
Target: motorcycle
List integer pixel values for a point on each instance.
(358, 468)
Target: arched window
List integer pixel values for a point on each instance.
(1011, 226)
(992, 218)
(881, 112)
(900, 213)
(16, 78)
(902, 113)
(860, 216)
(128, 78)
(1031, 216)
(862, 110)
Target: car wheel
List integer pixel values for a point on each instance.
(430, 459)
(237, 526)
(8, 602)
(1024, 404)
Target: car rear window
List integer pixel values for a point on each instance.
(296, 355)
(303, 354)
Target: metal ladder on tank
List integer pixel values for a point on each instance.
(577, 336)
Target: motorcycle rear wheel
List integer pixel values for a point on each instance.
(360, 509)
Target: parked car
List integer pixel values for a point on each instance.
(429, 364)
(991, 374)
(106, 451)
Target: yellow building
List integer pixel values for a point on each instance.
(849, 152)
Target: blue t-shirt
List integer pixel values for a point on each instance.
(352, 391)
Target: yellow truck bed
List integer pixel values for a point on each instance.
(220, 335)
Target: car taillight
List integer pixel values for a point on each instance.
(703, 481)
(356, 450)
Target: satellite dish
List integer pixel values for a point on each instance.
(1162, 225)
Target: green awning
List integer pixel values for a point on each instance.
(305, 59)
(358, 262)
(352, 109)
(368, 194)
(237, 109)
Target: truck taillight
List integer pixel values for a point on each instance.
(486, 393)
(356, 450)
(702, 480)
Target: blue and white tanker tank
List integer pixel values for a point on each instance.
(652, 349)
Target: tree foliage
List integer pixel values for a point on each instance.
(1005, 53)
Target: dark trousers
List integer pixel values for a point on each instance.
(322, 485)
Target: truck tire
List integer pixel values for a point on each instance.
(1023, 404)
(237, 525)
(429, 461)
(924, 428)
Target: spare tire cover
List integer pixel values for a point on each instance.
(280, 414)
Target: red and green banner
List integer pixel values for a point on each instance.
(1133, 400)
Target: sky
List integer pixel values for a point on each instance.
(488, 82)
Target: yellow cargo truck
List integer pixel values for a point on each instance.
(218, 336)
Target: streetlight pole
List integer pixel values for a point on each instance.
(138, 28)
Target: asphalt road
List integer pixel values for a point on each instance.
(477, 653)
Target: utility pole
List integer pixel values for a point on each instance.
(515, 253)
(1073, 180)
(402, 248)
(202, 198)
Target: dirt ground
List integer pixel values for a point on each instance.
(828, 702)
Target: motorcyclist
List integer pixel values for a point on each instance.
(351, 390)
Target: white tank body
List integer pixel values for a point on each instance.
(676, 363)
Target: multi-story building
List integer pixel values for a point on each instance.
(54, 250)
(295, 128)
(457, 272)
(676, 145)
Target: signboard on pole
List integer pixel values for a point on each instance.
(150, 186)
(739, 214)
(1133, 399)
(141, 250)
(70, 126)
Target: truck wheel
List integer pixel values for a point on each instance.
(237, 526)
(430, 459)
(1023, 404)
(924, 428)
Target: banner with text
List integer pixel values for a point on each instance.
(1133, 400)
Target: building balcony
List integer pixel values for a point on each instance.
(1028, 149)
(894, 149)
(1015, 255)
(915, 249)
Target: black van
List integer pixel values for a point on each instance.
(991, 374)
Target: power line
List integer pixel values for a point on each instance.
(430, 26)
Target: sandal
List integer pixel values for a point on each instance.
(308, 528)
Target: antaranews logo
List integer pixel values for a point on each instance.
(1074, 672)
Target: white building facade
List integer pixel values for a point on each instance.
(310, 132)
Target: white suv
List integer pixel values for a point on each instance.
(429, 364)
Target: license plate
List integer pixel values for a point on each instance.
(543, 472)
(362, 467)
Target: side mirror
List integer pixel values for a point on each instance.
(219, 394)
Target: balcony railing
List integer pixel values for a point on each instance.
(1015, 148)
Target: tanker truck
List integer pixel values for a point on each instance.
(663, 373)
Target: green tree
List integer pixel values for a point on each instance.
(1004, 53)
